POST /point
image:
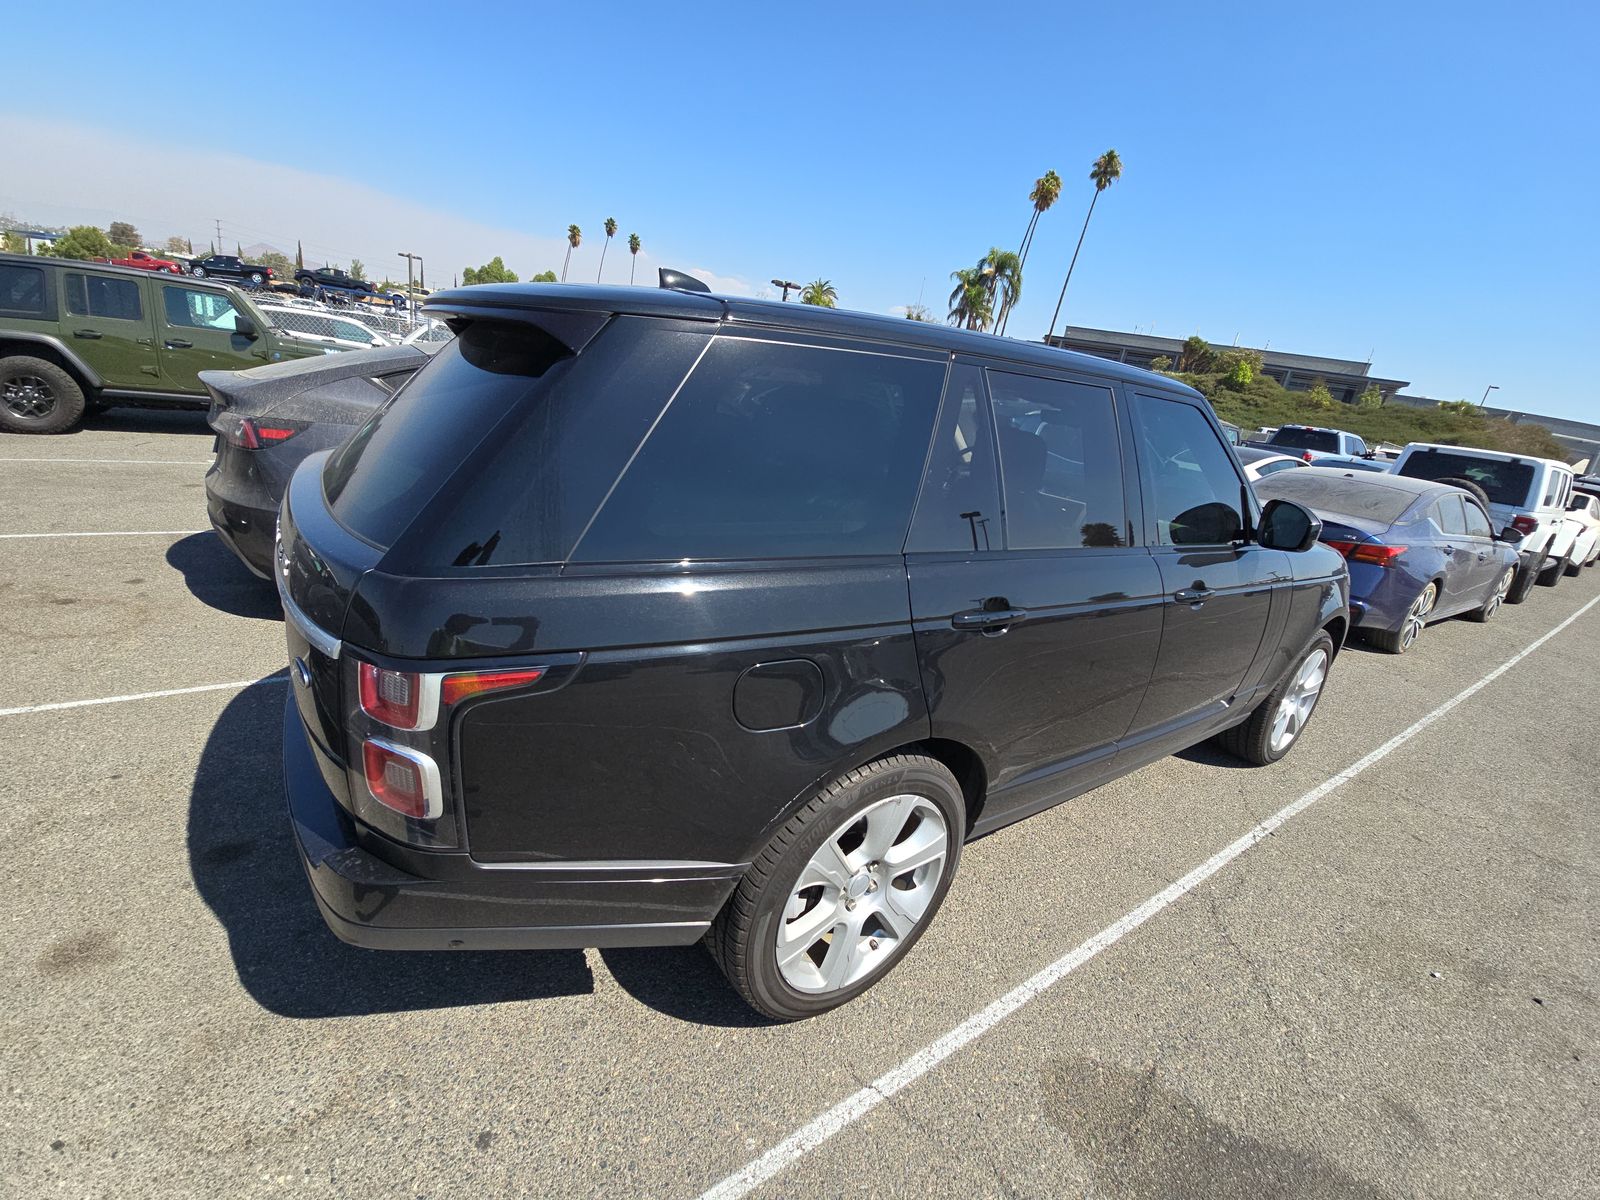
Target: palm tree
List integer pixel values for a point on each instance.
(820, 292)
(969, 299)
(1046, 191)
(633, 249)
(574, 236)
(611, 229)
(1002, 280)
(1107, 170)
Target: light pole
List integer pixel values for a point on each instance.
(411, 301)
(786, 284)
(1493, 387)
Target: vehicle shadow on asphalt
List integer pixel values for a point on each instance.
(149, 420)
(219, 580)
(681, 982)
(245, 867)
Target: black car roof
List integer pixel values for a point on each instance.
(505, 299)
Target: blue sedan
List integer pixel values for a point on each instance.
(1419, 551)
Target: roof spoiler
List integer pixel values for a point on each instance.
(680, 281)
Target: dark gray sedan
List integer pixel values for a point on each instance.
(268, 419)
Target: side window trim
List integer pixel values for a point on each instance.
(985, 417)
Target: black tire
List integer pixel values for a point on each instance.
(1551, 574)
(1523, 584)
(1572, 569)
(1252, 739)
(257, 278)
(1466, 485)
(198, 272)
(1496, 598)
(744, 937)
(37, 396)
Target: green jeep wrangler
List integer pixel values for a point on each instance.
(79, 337)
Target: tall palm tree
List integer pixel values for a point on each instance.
(1002, 280)
(574, 236)
(969, 299)
(1046, 191)
(633, 249)
(820, 292)
(1107, 170)
(611, 230)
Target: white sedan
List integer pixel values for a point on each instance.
(1258, 464)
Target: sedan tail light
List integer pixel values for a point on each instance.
(247, 433)
(1377, 553)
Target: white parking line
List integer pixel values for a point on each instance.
(108, 533)
(811, 1135)
(143, 462)
(188, 691)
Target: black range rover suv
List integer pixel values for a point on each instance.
(646, 616)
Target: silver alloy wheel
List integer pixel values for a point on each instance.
(28, 397)
(1417, 616)
(1301, 698)
(1499, 597)
(865, 890)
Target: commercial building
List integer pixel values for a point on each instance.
(1346, 378)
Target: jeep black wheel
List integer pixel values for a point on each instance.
(37, 397)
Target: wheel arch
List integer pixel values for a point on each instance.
(52, 350)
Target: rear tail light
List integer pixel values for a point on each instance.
(402, 779)
(249, 434)
(1308, 456)
(398, 699)
(458, 687)
(1367, 552)
(1524, 524)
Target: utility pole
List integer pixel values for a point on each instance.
(411, 301)
(219, 235)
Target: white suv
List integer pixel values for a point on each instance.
(1529, 495)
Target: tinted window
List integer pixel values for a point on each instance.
(1195, 491)
(773, 451)
(1478, 523)
(196, 309)
(1323, 441)
(1339, 494)
(1060, 463)
(1450, 516)
(960, 504)
(1555, 490)
(22, 290)
(1282, 464)
(99, 296)
(1504, 482)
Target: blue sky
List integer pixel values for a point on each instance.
(1417, 183)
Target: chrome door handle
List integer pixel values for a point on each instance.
(178, 344)
(87, 333)
(1196, 596)
(984, 618)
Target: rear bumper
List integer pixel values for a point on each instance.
(245, 529)
(447, 902)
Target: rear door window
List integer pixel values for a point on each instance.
(773, 450)
(1504, 482)
(959, 508)
(1478, 524)
(1450, 515)
(1060, 462)
(103, 296)
(21, 291)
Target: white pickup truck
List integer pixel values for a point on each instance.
(1529, 495)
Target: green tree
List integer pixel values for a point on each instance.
(544, 277)
(1196, 354)
(278, 264)
(633, 248)
(1046, 191)
(493, 271)
(918, 312)
(175, 245)
(1002, 279)
(82, 241)
(1161, 363)
(611, 232)
(969, 300)
(358, 269)
(1319, 397)
(13, 243)
(124, 234)
(574, 238)
(820, 292)
(1464, 408)
(299, 256)
(1107, 170)
(1371, 398)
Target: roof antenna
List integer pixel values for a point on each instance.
(679, 281)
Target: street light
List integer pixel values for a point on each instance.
(411, 300)
(786, 284)
(1493, 387)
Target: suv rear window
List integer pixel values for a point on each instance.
(22, 290)
(1322, 441)
(1503, 482)
(776, 451)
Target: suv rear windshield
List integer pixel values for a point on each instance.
(1503, 482)
(1322, 441)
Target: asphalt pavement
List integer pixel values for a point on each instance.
(1391, 993)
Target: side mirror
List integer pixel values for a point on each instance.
(1510, 536)
(244, 327)
(1286, 525)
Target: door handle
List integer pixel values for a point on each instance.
(1195, 596)
(986, 618)
(91, 334)
(178, 344)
